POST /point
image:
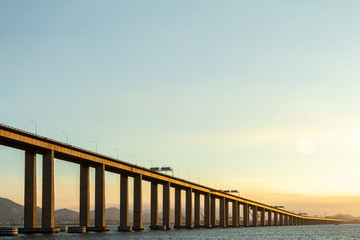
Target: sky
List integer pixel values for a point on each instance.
(258, 96)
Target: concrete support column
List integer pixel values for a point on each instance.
(124, 204)
(84, 196)
(207, 213)
(255, 216)
(235, 214)
(178, 216)
(226, 212)
(263, 217)
(276, 222)
(138, 202)
(269, 222)
(197, 210)
(189, 208)
(286, 220)
(154, 206)
(48, 220)
(166, 205)
(281, 219)
(246, 215)
(213, 211)
(222, 212)
(30, 214)
(100, 196)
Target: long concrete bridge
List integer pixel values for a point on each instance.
(262, 215)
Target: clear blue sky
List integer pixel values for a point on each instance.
(261, 96)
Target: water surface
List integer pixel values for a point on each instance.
(314, 232)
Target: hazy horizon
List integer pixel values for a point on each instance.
(258, 96)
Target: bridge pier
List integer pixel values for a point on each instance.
(48, 218)
(276, 222)
(254, 216)
(269, 221)
(189, 219)
(281, 219)
(99, 200)
(235, 214)
(226, 214)
(154, 206)
(138, 203)
(246, 215)
(286, 220)
(124, 204)
(222, 212)
(30, 213)
(207, 213)
(30, 203)
(84, 196)
(262, 217)
(197, 210)
(213, 211)
(178, 217)
(166, 205)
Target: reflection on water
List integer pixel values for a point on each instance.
(345, 232)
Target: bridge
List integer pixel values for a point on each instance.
(32, 144)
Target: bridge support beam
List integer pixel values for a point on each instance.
(30, 213)
(262, 217)
(226, 212)
(178, 216)
(48, 218)
(189, 219)
(138, 203)
(84, 196)
(166, 205)
(254, 216)
(197, 210)
(286, 220)
(276, 222)
(281, 216)
(269, 222)
(246, 215)
(207, 213)
(154, 206)
(222, 212)
(100, 199)
(124, 204)
(213, 211)
(235, 214)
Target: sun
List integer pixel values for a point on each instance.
(305, 146)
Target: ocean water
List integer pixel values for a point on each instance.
(345, 232)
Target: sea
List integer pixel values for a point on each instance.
(313, 232)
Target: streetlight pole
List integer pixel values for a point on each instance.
(95, 145)
(134, 155)
(35, 125)
(66, 136)
(117, 153)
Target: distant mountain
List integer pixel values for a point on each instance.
(13, 213)
(10, 211)
(66, 215)
(347, 218)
